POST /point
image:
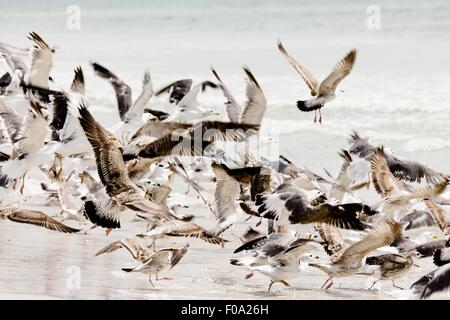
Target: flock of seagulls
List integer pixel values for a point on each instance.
(94, 174)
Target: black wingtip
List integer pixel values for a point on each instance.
(91, 212)
(437, 258)
(250, 75)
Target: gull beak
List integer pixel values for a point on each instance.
(216, 113)
(434, 236)
(416, 265)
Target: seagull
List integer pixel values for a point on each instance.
(289, 203)
(27, 137)
(254, 108)
(177, 90)
(433, 282)
(276, 256)
(160, 260)
(67, 134)
(394, 196)
(135, 246)
(188, 108)
(193, 141)
(324, 91)
(402, 169)
(127, 109)
(37, 218)
(5, 81)
(113, 175)
(348, 261)
(183, 229)
(440, 216)
(344, 183)
(442, 256)
(418, 219)
(392, 266)
(41, 62)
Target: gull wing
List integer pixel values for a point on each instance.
(302, 71)
(340, 71)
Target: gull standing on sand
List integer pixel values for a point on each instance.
(159, 261)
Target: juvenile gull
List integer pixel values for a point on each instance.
(113, 175)
(392, 266)
(440, 216)
(159, 261)
(135, 246)
(37, 218)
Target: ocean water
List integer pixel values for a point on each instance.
(397, 93)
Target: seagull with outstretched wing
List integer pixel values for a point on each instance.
(323, 91)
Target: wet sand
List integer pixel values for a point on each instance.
(42, 264)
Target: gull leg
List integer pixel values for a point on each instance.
(373, 284)
(23, 183)
(326, 282)
(248, 276)
(395, 286)
(108, 231)
(320, 116)
(330, 284)
(270, 285)
(150, 280)
(315, 116)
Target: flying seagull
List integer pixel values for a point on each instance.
(252, 112)
(348, 260)
(440, 216)
(402, 169)
(323, 91)
(135, 246)
(389, 188)
(127, 109)
(289, 203)
(41, 62)
(113, 175)
(37, 218)
(177, 90)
